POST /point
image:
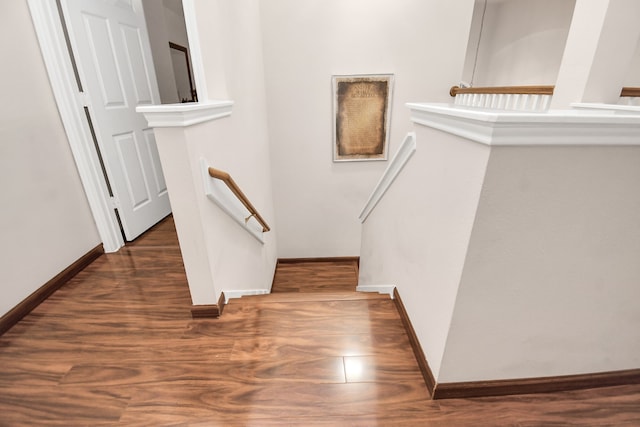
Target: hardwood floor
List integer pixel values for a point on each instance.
(117, 346)
(316, 276)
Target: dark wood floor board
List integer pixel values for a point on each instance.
(345, 309)
(380, 368)
(47, 405)
(161, 235)
(292, 327)
(117, 346)
(329, 420)
(275, 401)
(300, 323)
(299, 297)
(315, 277)
(266, 347)
(42, 352)
(28, 374)
(233, 374)
(310, 370)
(105, 313)
(149, 350)
(104, 331)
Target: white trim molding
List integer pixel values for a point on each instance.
(241, 293)
(381, 289)
(400, 159)
(53, 46)
(554, 127)
(183, 115)
(623, 108)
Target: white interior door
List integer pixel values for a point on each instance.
(111, 46)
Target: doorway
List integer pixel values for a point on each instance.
(46, 19)
(109, 45)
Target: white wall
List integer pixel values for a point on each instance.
(550, 284)
(421, 42)
(522, 42)
(177, 33)
(45, 221)
(174, 21)
(417, 236)
(154, 14)
(598, 53)
(165, 23)
(237, 144)
(633, 75)
(470, 61)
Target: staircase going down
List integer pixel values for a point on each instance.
(334, 352)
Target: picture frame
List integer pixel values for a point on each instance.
(361, 116)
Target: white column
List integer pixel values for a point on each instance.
(170, 123)
(598, 52)
(204, 30)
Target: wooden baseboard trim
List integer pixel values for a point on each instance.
(459, 390)
(208, 311)
(355, 259)
(429, 379)
(536, 385)
(14, 315)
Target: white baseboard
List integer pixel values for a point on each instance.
(239, 294)
(381, 289)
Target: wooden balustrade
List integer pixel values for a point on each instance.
(527, 90)
(506, 90)
(630, 92)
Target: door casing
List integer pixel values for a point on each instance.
(48, 26)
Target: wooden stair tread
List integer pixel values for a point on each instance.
(308, 297)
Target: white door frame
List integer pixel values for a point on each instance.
(46, 21)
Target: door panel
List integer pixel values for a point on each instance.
(101, 49)
(110, 42)
(131, 164)
(139, 73)
(150, 139)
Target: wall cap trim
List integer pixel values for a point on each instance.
(579, 127)
(613, 107)
(184, 115)
(400, 159)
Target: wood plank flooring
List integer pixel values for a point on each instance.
(317, 276)
(117, 346)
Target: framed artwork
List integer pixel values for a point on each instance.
(361, 108)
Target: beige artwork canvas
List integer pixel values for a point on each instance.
(361, 122)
